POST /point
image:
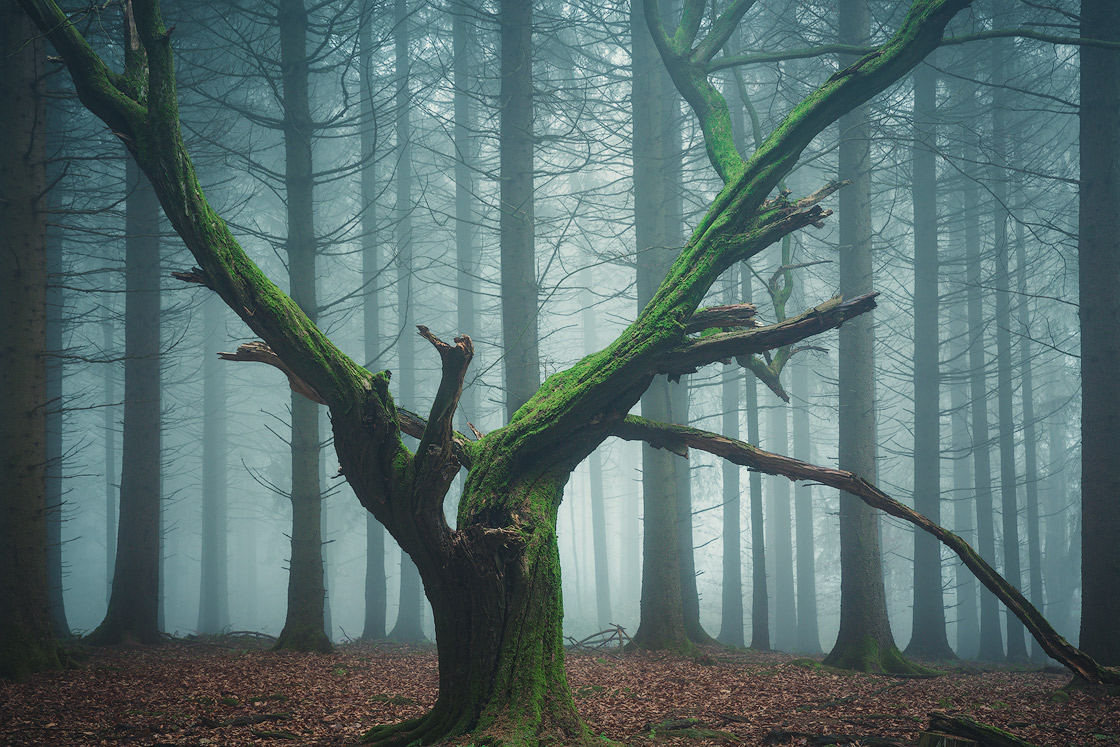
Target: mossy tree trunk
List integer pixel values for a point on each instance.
(494, 579)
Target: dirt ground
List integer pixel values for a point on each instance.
(228, 692)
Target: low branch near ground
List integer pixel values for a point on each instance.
(962, 726)
(695, 353)
(679, 439)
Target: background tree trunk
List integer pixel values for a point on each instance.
(303, 625)
(213, 613)
(27, 638)
(134, 602)
(928, 639)
(808, 635)
(1099, 275)
(865, 641)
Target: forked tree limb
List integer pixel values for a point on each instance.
(410, 423)
(435, 455)
(679, 439)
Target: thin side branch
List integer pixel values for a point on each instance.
(695, 353)
(677, 437)
(260, 352)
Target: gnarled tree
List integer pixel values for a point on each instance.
(494, 579)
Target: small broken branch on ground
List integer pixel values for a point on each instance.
(678, 438)
(962, 726)
(259, 352)
(694, 353)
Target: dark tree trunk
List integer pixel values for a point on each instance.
(213, 613)
(808, 634)
(781, 524)
(410, 610)
(760, 598)
(731, 628)
(27, 637)
(56, 303)
(1012, 563)
(1099, 275)
(865, 641)
(1030, 441)
(964, 509)
(375, 581)
(991, 640)
(603, 608)
(928, 639)
(303, 626)
(662, 616)
(109, 425)
(134, 603)
(518, 253)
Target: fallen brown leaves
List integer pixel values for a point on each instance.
(182, 694)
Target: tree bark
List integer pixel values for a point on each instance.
(375, 581)
(1008, 477)
(213, 613)
(27, 637)
(731, 626)
(808, 635)
(781, 525)
(1099, 275)
(410, 610)
(928, 638)
(865, 641)
(133, 610)
(516, 223)
(304, 623)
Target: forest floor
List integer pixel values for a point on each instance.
(214, 692)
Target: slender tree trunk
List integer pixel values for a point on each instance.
(111, 487)
(865, 641)
(928, 639)
(213, 613)
(731, 626)
(968, 627)
(1012, 563)
(1099, 274)
(991, 640)
(760, 599)
(1030, 445)
(27, 637)
(466, 156)
(410, 611)
(519, 267)
(134, 603)
(808, 634)
(56, 303)
(375, 582)
(603, 608)
(785, 610)
(1059, 551)
(303, 625)
(662, 616)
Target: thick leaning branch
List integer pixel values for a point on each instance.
(679, 439)
(697, 352)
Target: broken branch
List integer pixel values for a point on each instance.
(676, 437)
(259, 352)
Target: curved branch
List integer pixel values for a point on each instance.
(678, 437)
(698, 352)
(435, 457)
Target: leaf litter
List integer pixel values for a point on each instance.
(197, 694)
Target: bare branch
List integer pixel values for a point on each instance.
(695, 353)
(195, 275)
(678, 438)
(260, 352)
